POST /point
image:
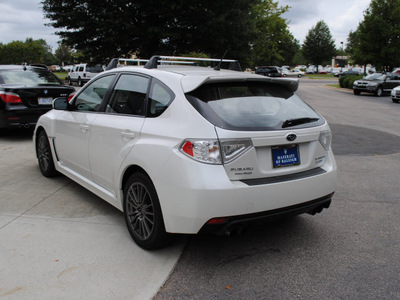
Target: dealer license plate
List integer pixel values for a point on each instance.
(285, 156)
(45, 101)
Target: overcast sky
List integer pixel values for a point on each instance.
(21, 19)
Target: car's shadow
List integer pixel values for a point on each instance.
(14, 135)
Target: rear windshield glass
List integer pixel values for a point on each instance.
(94, 69)
(28, 77)
(252, 106)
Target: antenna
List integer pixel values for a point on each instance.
(218, 67)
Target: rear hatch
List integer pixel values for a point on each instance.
(266, 132)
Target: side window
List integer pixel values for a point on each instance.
(160, 98)
(81, 69)
(129, 95)
(91, 98)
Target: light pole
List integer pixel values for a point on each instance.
(342, 52)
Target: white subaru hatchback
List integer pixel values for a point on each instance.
(184, 149)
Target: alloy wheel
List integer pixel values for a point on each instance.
(140, 210)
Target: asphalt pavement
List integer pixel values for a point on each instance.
(349, 251)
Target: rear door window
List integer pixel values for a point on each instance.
(129, 95)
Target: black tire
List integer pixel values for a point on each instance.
(299, 75)
(70, 81)
(143, 214)
(395, 100)
(356, 92)
(284, 75)
(44, 155)
(80, 83)
(379, 91)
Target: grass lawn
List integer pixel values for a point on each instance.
(320, 76)
(61, 75)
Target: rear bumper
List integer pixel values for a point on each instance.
(191, 199)
(20, 117)
(311, 207)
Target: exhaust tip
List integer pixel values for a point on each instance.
(235, 230)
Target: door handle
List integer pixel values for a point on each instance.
(84, 127)
(128, 135)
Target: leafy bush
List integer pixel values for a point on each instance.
(347, 81)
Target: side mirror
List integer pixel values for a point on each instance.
(60, 104)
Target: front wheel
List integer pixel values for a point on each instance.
(80, 82)
(395, 100)
(70, 81)
(45, 158)
(299, 75)
(379, 92)
(143, 214)
(356, 92)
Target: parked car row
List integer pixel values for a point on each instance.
(284, 71)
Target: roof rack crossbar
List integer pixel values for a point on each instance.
(114, 62)
(155, 60)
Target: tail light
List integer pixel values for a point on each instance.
(325, 138)
(214, 151)
(10, 98)
(71, 96)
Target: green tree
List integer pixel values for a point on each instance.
(106, 29)
(249, 29)
(64, 54)
(377, 38)
(319, 45)
(30, 51)
(273, 43)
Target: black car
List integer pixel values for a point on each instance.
(268, 71)
(349, 72)
(27, 92)
(376, 83)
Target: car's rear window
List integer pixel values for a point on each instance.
(252, 106)
(94, 69)
(28, 77)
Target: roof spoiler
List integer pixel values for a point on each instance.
(158, 59)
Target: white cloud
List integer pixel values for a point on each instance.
(22, 19)
(341, 16)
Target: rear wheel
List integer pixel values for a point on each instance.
(80, 83)
(70, 81)
(356, 92)
(395, 100)
(45, 158)
(143, 214)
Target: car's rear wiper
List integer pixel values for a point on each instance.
(294, 122)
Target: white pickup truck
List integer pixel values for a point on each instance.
(82, 73)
